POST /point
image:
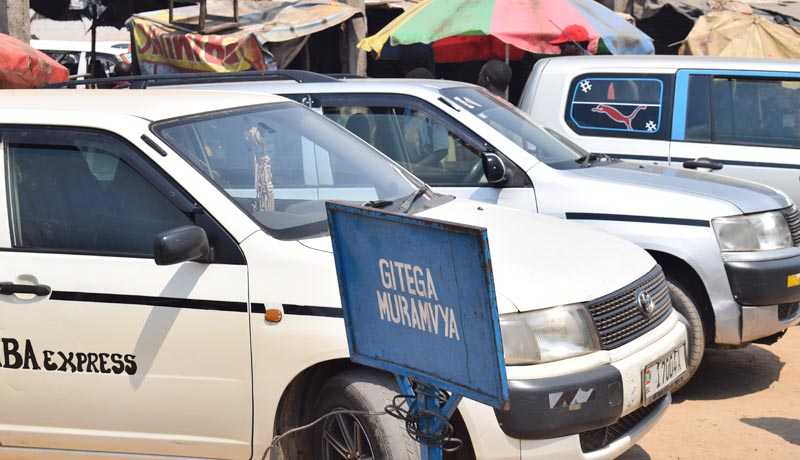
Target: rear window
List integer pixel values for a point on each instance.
(619, 106)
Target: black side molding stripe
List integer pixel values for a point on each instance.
(637, 157)
(301, 310)
(150, 301)
(747, 163)
(306, 310)
(644, 219)
(724, 162)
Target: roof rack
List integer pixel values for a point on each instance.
(143, 81)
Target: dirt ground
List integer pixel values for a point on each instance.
(741, 405)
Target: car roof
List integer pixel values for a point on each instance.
(345, 85)
(149, 105)
(111, 47)
(645, 62)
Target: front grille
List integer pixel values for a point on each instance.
(601, 437)
(793, 220)
(618, 316)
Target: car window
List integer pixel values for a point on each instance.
(619, 106)
(71, 191)
(514, 125)
(281, 162)
(743, 111)
(415, 138)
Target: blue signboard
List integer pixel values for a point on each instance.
(419, 300)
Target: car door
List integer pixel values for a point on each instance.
(103, 350)
(742, 124)
(442, 152)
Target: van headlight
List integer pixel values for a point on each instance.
(754, 232)
(548, 335)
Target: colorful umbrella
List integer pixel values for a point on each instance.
(24, 67)
(461, 48)
(526, 24)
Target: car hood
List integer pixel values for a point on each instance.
(747, 196)
(540, 261)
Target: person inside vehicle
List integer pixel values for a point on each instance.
(573, 41)
(495, 76)
(122, 69)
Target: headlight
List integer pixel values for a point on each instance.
(548, 335)
(755, 232)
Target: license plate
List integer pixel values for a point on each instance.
(660, 375)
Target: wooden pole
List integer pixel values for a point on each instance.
(15, 19)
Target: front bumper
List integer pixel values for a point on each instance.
(765, 282)
(578, 402)
(559, 406)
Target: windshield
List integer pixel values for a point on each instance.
(513, 124)
(281, 162)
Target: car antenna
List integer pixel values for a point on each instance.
(583, 50)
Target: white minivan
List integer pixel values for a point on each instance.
(168, 290)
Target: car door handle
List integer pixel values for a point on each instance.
(702, 163)
(35, 289)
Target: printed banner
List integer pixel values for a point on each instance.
(162, 50)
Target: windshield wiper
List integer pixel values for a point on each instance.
(378, 203)
(587, 159)
(409, 201)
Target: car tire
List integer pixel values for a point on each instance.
(684, 304)
(358, 436)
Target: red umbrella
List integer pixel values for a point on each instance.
(24, 67)
(462, 48)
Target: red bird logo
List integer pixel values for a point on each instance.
(617, 116)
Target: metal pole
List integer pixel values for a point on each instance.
(93, 61)
(427, 400)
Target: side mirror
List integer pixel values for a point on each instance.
(181, 244)
(493, 168)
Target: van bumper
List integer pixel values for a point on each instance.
(765, 282)
(576, 403)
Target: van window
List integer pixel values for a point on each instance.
(72, 191)
(416, 139)
(619, 106)
(743, 111)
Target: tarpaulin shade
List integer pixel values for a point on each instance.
(24, 67)
(279, 26)
(730, 34)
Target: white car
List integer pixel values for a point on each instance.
(76, 55)
(157, 303)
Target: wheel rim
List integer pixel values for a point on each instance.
(343, 437)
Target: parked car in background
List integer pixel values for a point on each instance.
(729, 248)
(76, 55)
(733, 117)
(168, 289)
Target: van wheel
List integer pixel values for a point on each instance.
(687, 307)
(360, 436)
